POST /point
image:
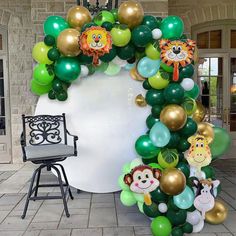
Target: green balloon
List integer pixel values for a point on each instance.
(146, 85)
(166, 68)
(145, 148)
(156, 111)
(193, 93)
(49, 40)
(42, 74)
(172, 27)
(171, 205)
(159, 196)
(189, 129)
(109, 56)
(184, 145)
(107, 25)
(39, 89)
(150, 21)
(67, 68)
(149, 160)
(54, 25)
(141, 36)
(159, 20)
(88, 25)
(84, 59)
(112, 69)
(186, 72)
(174, 140)
(174, 93)
(184, 168)
(53, 54)
(127, 198)
(57, 85)
(114, 12)
(61, 95)
(187, 228)
(127, 52)
(221, 142)
(209, 172)
(161, 226)
(122, 184)
(155, 97)
(150, 121)
(52, 95)
(177, 217)
(104, 16)
(177, 232)
(152, 210)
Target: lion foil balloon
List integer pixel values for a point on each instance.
(95, 41)
(199, 154)
(177, 53)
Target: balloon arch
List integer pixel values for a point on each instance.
(171, 181)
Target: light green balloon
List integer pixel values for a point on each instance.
(139, 197)
(136, 162)
(122, 184)
(126, 168)
(112, 69)
(140, 207)
(127, 198)
(39, 89)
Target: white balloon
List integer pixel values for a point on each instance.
(84, 71)
(197, 228)
(162, 207)
(193, 173)
(187, 84)
(136, 162)
(193, 217)
(102, 112)
(156, 34)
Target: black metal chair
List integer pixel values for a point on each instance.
(44, 142)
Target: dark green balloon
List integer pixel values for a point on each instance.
(176, 217)
(184, 145)
(209, 171)
(140, 49)
(114, 12)
(145, 148)
(126, 52)
(192, 208)
(184, 167)
(149, 160)
(84, 59)
(189, 128)
(181, 157)
(91, 68)
(109, 56)
(131, 60)
(193, 93)
(51, 95)
(57, 85)
(62, 95)
(184, 36)
(177, 232)
(53, 54)
(186, 72)
(88, 25)
(150, 121)
(152, 210)
(146, 85)
(155, 97)
(107, 25)
(159, 20)
(174, 93)
(156, 111)
(174, 140)
(187, 228)
(49, 40)
(171, 205)
(150, 21)
(141, 36)
(159, 196)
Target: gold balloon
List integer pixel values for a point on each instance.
(135, 75)
(206, 130)
(200, 112)
(140, 101)
(130, 13)
(173, 116)
(218, 214)
(78, 16)
(68, 42)
(172, 181)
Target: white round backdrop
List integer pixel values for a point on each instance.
(100, 109)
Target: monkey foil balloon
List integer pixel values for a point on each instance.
(143, 179)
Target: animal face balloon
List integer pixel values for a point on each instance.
(95, 41)
(143, 179)
(199, 154)
(177, 53)
(205, 198)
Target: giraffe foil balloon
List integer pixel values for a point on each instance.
(199, 154)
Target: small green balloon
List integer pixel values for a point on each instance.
(209, 171)
(166, 68)
(107, 25)
(193, 93)
(112, 69)
(171, 205)
(150, 121)
(174, 140)
(146, 85)
(159, 20)
(53, 54)
(140, 207)
(42, 74)
(122, 184)
(39, 89)
(62, 95)
(177, 217)
(57, 85)
(174, 93)
(126, 168)
(189, 129)
(155, 97)
(51, 95)
(156, 111)
(187, 228)
(172, 27)
(150, 21)
(84, 59)
(127, 198)
(126, 52)
(184, 168)
(141, 36)
(177, 232)
(148, 161)
(49, 40)
(145, 148)
(88, 25)
(104, 16)
(152, 210)
(102, 67)
(184, 145)
(161, 226)
(109, 56)
(186, 72)
(159, 196)
(114, 12)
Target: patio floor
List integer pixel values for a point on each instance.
(91, 214)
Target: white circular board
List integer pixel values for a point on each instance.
(101, 110)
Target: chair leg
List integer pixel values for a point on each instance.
(66, 180)
(30, 192)
(62, 190)
(37, 183)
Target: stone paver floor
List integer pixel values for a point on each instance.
(91, 214)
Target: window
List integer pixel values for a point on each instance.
(209, 39)
(233, 39)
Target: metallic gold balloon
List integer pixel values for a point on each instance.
(68, 42)
(172, 181)
(206, 130)
(218, 214)
(173, 116)
(130, 13)
(78, 16)
(135, 75)
(200, 112)
(140, 101)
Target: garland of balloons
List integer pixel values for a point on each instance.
(171, 181)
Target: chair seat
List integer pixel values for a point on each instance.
(50, 151)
